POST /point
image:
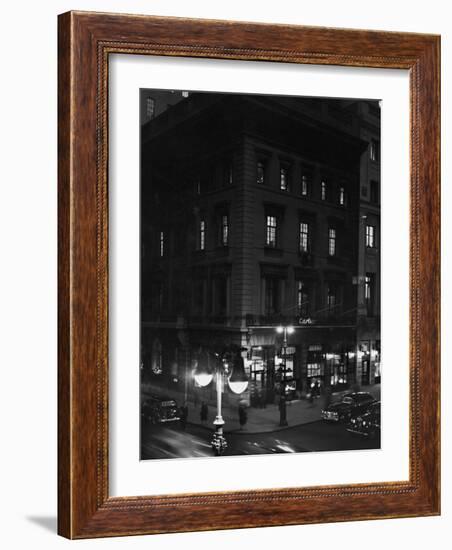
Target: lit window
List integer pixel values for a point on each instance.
(260, 177)
(162, 243)
(323, 190)
(331, 241)
(202, 235)
(150, 107)
(304, 185)
(304, 237)
(284, 178)
(369, 293)
(374, 150)
(342, 196)
(271, 231)
(185, 94)
(370, 236)
(225, 230)
(302, 299)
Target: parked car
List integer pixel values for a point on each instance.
(157, 409)
(368, 423)
(352, 405)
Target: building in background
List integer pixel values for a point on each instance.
(254, 215)
(155, 102)
(369, 279)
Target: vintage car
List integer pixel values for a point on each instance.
(352, 405)
(157, 409)
(368, 423)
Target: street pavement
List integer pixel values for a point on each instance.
(261, 434)
(171, 441)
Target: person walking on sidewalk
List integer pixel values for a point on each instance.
(317, 388)
(243, 417)
(204, 412)
(328, 397)
(183, 416)
(310, 395)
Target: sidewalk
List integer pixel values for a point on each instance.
(299, 412)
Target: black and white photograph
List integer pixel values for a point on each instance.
(260, 251)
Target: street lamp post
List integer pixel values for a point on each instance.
(284, 330)
(219, 442)
(237, 381)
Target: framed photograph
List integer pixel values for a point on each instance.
(248, 275)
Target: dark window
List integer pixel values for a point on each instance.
(374, 192)
(221, 296)
(260, 172)
(331, 241)
(230, 174)
(271, 231)
(198, 296)
(156, 297)
(331, 298)
(370, 236)
(272, 304)
(369, 293)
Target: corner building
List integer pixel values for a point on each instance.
(251, 219)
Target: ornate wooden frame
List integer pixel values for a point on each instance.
(85, 42)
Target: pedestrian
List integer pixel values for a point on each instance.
(311, 393)
(183, 416)
(328, 396)
(204, 412)
(243, 417)
(317, 388)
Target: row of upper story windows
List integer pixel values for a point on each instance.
(273, 226)
(305, 234)
(310, 298)
(305, 230)
(305, 187)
